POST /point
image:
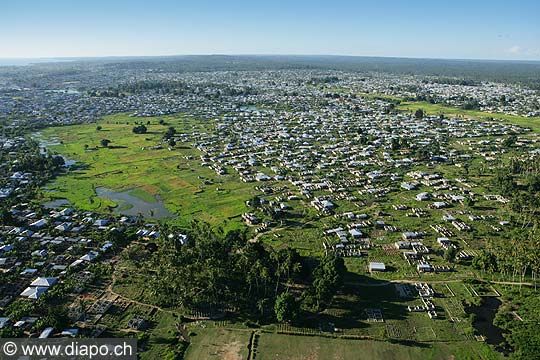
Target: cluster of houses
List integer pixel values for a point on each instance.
(51, 246)
(14, 180)
(313, 159)
(487, 96)
(369, 180)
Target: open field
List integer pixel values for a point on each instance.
(402, 334)
(233, 344)
(160, 338)
(333, 223)
(219, 343)
(175, 178)
(277, 346)
(437, 109)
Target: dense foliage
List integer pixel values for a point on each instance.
(521, 331)
(140, 129)
(327, 279)
(214, 271)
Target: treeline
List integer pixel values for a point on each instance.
(158, 86)
(466, 103)
(516, 254)
(213, 272)
(138, 87)
(523, 72)
(522, 338)
(323, 80)
(140, 129)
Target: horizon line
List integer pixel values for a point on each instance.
(261, 55)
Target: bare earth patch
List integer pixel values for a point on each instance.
(232, 351)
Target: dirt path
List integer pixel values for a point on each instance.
(232, 351)
(111, 291)
(408, 281)
(258, 236)
(510, 282)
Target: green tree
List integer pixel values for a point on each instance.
(327, 279)
(486, 261)
(509, 141)
(105, 142)
(286, 307)
(525, 339)
(468, 202)
(450, 254)
(140, 129)
(171, 131)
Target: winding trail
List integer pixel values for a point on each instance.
(112, 292)
(258, 236)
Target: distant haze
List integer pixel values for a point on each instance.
(27, 61)
(459, 29)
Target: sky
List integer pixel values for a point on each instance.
(472, 29)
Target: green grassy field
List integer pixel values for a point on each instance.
(218, 343)
(277, 346)
(437, 109)
(160, 338)
(175, 177)
(233, 344)
(402, 335)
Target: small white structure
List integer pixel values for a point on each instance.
(46, 333)
(44, 281)
(377, 266)
(34, 292)
(355, 233)
(39, 224)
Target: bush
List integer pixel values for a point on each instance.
(142, 337)
(469, 331)
(141, 129)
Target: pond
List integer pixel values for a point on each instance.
(54, 204)
(67, 162)
(485, 314)
(44, 144)
(63, 91)
(129, 204)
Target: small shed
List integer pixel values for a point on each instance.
(423, 267)
(377, 266)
